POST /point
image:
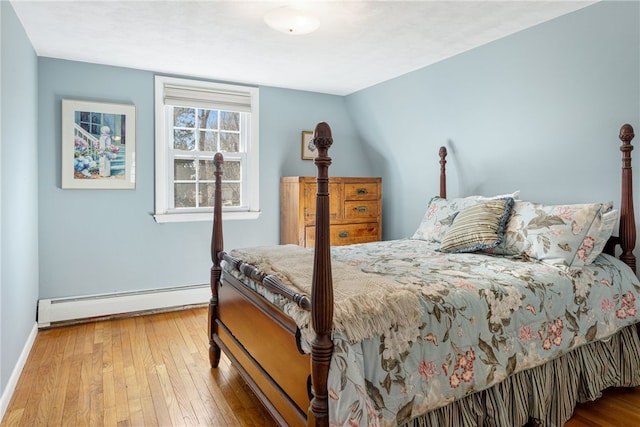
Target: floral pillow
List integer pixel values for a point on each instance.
(440, 214)
(608, 221)
(553, 233)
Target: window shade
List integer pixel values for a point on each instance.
(207, 98)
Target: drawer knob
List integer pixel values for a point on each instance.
(361, 191)
(362, 209)
(343, 234)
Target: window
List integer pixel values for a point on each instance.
(194, 120)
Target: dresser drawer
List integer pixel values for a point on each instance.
(346, 234)
(359, 209)
(361, 191)
(355, 210)
(310, 191)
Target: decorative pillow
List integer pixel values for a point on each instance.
(551, 233)
(607, 222)
(440, 214)
(477, 227)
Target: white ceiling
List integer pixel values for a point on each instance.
(358, 44)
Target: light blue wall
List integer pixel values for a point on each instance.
(18, 195)
(100, 241)
(537, 111)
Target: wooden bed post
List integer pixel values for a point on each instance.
(627, 231)
(322, 285)
(443, 172)
(216, 247)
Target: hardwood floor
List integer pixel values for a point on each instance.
(142, 371)
(154, 370)
(619, 407)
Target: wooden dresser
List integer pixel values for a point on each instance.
(355, 210)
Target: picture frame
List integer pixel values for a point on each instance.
(309, 150)
(98, 145)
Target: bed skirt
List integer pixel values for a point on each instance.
(546, 395)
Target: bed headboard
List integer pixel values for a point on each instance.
(443, 172)
(627, 232)
(626, 237)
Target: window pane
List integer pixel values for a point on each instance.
(230, 194)
(183, 139)
(229, 120)
(184, 117)
(207, 170)
(207, 194)
(184, 170)
(230, 142)
(208, 140)
(184, 195)
(208, 119)
(231, 171)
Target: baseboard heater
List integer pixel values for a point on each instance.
(55, 310)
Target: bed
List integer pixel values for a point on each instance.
(497, 311)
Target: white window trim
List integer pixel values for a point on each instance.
(162, 186)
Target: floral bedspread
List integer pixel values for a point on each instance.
(485, 318)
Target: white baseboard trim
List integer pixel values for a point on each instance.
(7, 393)
(92, 306)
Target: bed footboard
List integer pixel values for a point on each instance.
(263, 344)
(322, 285)
(217, 245)
(276, 370)
(279, 374)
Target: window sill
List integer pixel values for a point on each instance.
(204, 216)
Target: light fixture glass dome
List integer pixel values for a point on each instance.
(290, 20)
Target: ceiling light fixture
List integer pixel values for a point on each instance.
(290, 20)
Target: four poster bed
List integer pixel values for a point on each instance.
(497, 311)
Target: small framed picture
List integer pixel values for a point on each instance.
(309, 151)
(98, 145)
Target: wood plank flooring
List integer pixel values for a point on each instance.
(154, 370)
(619, 407)
(140, 371)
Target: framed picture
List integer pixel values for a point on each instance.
(309, 151)
(98, 145)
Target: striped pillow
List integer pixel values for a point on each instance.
(478, 227)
